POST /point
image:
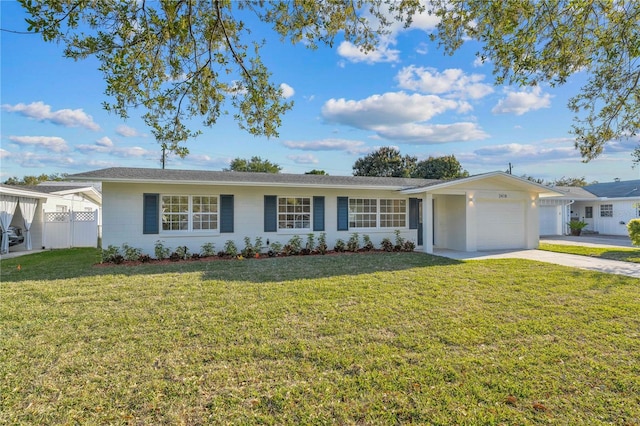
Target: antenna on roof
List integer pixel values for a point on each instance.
(616, 180)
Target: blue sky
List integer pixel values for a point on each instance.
(407, 94)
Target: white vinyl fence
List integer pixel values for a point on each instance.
(70, 229)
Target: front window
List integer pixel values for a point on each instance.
(363, 213)
(606, 210)
(294, 213)
(189, 213)
(393, 213)
(373, 213)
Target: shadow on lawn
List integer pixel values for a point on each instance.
(79, 263)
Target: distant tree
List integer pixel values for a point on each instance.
(565, 181)
(536, 180)
(446, 167)
(385, 162)
(255, 164)
(34, 180)
(316, 172)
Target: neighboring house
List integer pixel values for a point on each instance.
(605, 207)
(53, 214)
(190, 208)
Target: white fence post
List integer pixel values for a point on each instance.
(70, 229)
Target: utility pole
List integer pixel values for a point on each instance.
(508, 171)
(164, 154)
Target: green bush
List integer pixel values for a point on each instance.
(161, 251)
(634, 231)
(353, 244)
(322, 243)
(130, 253)
(112, 255)
(340, 246)
(208, 249)
(230, 248)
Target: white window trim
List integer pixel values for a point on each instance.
(190, 213)
(379, 213)
(610, 210)
(294, 230)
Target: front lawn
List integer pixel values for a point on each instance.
(382, 338)
(623, 254)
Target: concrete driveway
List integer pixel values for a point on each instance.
(571, 260)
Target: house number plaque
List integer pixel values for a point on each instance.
(502, 196)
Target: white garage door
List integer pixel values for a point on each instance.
(549, 218)
(500, 225)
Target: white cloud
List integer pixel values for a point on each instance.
(349, 146)
(478, 62)
(50, 143)
(4, 153)
(203, 160)
(521, 154)
(30, 159)
(66, 117)
(519, 103)
(418, 134)
(382, 53)
(402, 117)
(388, 109)
(422, 49)
(303, 159)
(452, 82)
(128, 132)
(287, 91)
(105, 145)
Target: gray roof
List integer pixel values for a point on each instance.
(129, 174)
(622, 189)
(574, 192)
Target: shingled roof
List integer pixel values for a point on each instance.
(622, 189)
(129, 174)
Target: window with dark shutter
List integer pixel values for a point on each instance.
(318, 213)
(226, 213)
(270, 213)
(343, 213)
(150, 213)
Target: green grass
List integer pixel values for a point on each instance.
(623, 254)
(394, 338)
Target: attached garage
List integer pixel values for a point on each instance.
(550, 218)
(502, 224)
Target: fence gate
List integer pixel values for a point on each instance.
(70, 229)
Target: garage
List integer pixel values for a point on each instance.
(503, 225)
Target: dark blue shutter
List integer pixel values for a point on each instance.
(270, 213)
(150, 213)
(226, 213)
(318, 213)
(414, 212)
(343, 213)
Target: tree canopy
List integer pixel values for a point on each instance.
(529, 42)
(445, 167)
(34, 180)
(385, 162)
(255, 164)
(183, 59)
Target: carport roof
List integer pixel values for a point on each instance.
(459, 184)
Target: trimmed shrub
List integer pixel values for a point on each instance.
(399, 241)
(340, 246)
(354, 242)
(322, 243)
(408, 246)
(112, 255)
(161, 251)
(634, 231)
(386, 244)
(208, 249)
(230, 248)
(129, 253)
(367, 244)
